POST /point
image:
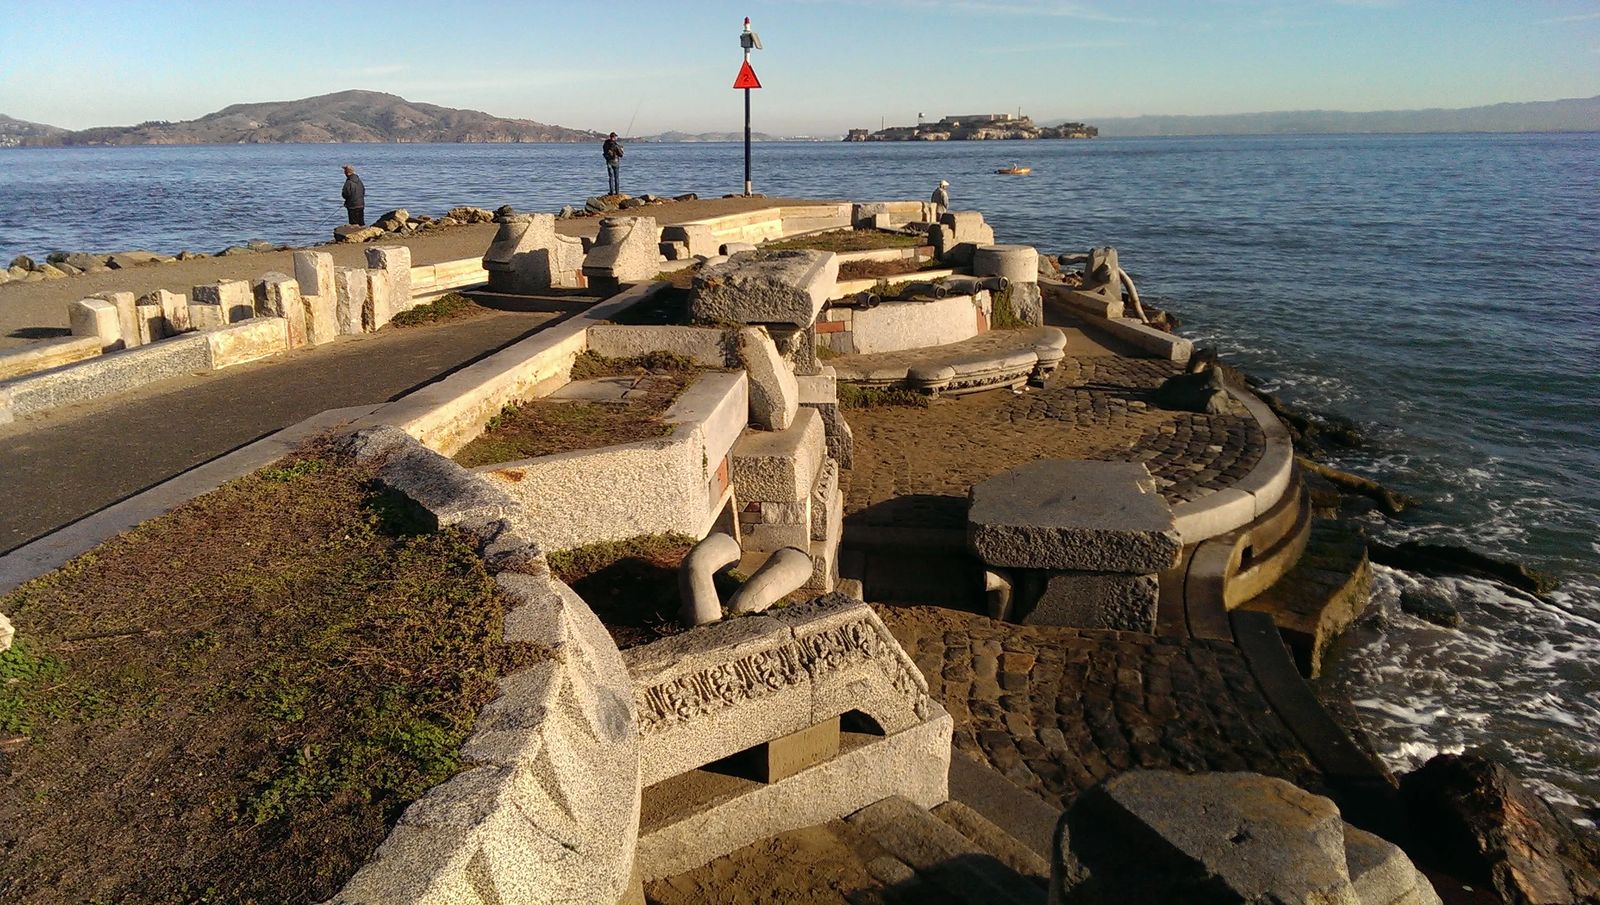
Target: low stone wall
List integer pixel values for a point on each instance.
(548, 809)
(1158, 343)
(895, 326)
(675, 484)
(107, 375)
(51, 353)
(770, 224)
(1252, 496)
(430, 281)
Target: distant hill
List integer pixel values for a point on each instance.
(707, 136)
(1570, 115)
(348, 116)
(14, 132)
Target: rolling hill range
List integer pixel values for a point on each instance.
(348, 116)
(1569, 115)
(14, 132)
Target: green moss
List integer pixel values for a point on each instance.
(1002, 316)
(858, 397)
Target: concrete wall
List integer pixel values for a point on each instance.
(647, 487)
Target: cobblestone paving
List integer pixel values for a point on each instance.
(914, 466)
(1056, 710)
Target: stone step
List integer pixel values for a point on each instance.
(944, 858)
(1327, 589)
(1268, 566)
(994, 840)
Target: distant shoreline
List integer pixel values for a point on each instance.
(792, 141)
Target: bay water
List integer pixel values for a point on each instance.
(1442, 291)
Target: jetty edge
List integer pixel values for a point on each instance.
(1090, 659)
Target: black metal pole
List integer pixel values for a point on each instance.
(747, 142)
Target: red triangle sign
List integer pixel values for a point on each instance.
(747, 77)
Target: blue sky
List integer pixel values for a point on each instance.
(828, 64)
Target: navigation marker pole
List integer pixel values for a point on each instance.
(747, 80)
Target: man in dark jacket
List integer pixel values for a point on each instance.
(613, 154)
(355, 197)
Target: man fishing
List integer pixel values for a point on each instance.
(612, 149)
(355, 197)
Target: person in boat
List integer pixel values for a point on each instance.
(941, 199)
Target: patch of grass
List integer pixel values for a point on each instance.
(544, 427)
(860, 270)
(1002, 316)
(848, 240)
(858, 397)
(448, 307)
(255, 684)
(632, 584)
(589, 365)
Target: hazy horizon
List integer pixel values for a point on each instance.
(829, 65)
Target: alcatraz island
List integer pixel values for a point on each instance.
(975, 127)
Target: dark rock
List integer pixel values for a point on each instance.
(503, 212)
(1202, 392)
(260, 245)
(686, 196)
(83, 260)
(354, 233)
(393, 220)
(23, 261)
(1448, 559)
(1215, 838)
(1389, 501)
(599, 205)
(125, 259)
(567, 213)
(1430, 607)
(241, 250)
(187, 255)
(1488, 827)
(630, 203)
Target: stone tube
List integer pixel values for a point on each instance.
(784, 571)
(700, 604)
(1133, 295)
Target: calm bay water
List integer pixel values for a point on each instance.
(1443, 291)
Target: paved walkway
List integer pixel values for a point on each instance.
(1056, 710)
(913, 466)
(70, 463)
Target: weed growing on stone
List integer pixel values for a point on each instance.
(1002, 316)
(254, 685)
(848, 240)
(448, 307)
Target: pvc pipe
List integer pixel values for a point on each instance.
(700, 604)
(783, 572)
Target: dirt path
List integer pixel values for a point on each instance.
(30, 312)
(70, 463)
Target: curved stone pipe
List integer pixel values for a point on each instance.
(700, 603)
(1133, 295)
(783, 572)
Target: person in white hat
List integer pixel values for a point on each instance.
(941, 198)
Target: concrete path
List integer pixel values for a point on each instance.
(65, 465)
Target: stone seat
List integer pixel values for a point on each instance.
(990, 361)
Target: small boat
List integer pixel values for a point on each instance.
(1014, 171)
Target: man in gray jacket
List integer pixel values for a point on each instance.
(355, 197)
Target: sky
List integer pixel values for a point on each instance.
(828, 65)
